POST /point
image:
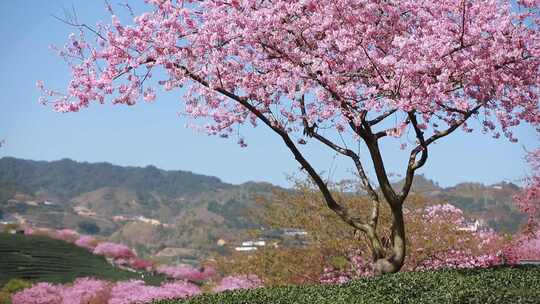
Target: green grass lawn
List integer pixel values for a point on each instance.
(495, 285)
(42, 259)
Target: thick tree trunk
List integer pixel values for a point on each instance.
(395, 255)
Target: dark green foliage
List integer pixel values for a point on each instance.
(42, 259)
(67, 178)
(87, 227)
(482, 286)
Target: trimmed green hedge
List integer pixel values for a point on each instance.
(42, 259)
(495, 285)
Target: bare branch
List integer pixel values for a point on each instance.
(308, 130)
(373, 219)
(381, 117)
(340, 210)
(79, 25)
(413, 165)
(456, 125)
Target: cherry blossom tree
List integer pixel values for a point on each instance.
(528, 200)
(340, 73)
(526, 245)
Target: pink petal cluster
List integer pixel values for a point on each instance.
(137, 292)
(87, 290)
(140, 264)
(67, 235)
(439, 59)
(238, 282)
(459, 259)
(87, 242)
(187, 272)
(41, 293)
(358, 268)
(114, 250)
(525, 246)
(528, 200)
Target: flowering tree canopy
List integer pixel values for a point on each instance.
(528, 200)
(302, 66)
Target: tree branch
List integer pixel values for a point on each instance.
(381, 117)
(374, 216)
(413, 165)
(448, 131)
(340, 210)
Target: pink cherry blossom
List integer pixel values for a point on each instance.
(87, 242)
(137, 292)
(41, 293)
(438, 58)
(300, 67)
(114, 250)
(186, 272)
(238, 282)
(528, 200)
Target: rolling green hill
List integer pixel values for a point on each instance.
(194, 211)
(39, 258)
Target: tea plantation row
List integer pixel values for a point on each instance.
(496, 285)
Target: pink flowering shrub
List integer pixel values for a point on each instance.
(66, 235)
(357, 268)
(443, 239)
(140, 264)
(528, 200)
(88, 290)
(28, 230)
(41, 293)
(114, 250)
(137, 292)
(525, 246)
(238, 282)
(87, 242)
(186, 272)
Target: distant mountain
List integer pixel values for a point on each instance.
(66, 178)
(146, 207)
(153, 209)
(492, 203)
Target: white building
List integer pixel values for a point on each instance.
(242, 248)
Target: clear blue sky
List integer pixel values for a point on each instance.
(154, 134)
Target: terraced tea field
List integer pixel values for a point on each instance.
(39, 258)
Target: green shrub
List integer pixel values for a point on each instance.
(482, 286)
(15, 285)
(11, 287)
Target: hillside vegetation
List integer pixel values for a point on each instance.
(195, 211)
(42, 259)
(493, 285)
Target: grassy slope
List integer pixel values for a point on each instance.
(495, 285)
(39, 258)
